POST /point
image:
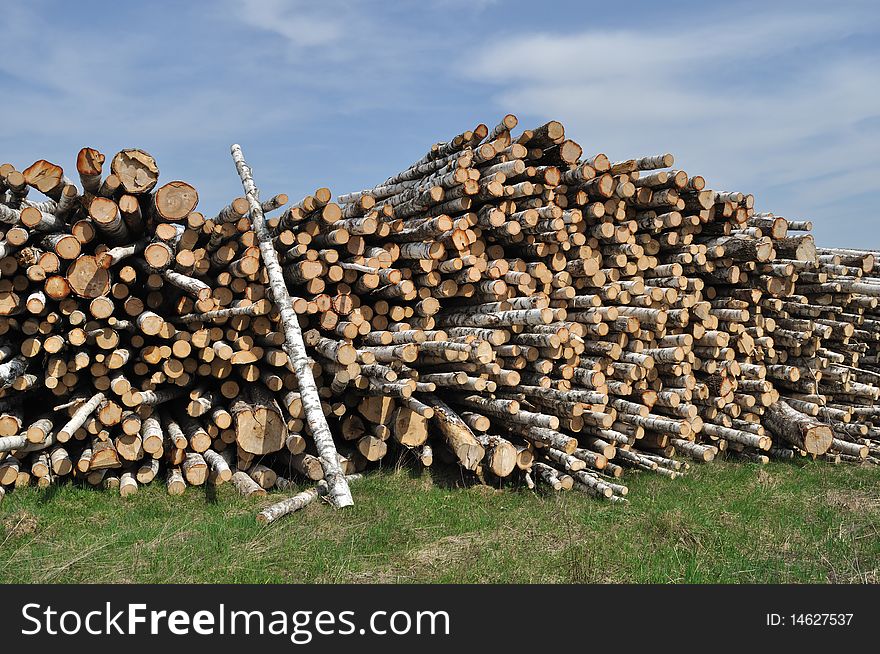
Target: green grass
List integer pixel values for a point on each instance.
(728, 523)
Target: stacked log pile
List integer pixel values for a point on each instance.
(141, 339)
(631, 311)
(506, 304)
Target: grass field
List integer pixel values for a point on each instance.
(722, 522)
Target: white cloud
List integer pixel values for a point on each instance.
(299, 22)
(769, 102)
(185, 90)
(348, 92)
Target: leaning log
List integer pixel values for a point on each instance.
(457, 434)
(293, 342)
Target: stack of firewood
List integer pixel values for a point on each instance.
(505, 304)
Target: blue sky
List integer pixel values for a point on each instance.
(779, 99)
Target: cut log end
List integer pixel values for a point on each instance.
(136, 171)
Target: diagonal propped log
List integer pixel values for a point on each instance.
(294, 346)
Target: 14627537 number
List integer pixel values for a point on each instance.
(821, 619)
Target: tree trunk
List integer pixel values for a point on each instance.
(87, 278)
(136, 171)
(294, 346)
(501, 455)
(195, 470)
(220, 471)
(458, 435)
(148, 470)
(89, 164)
(79, 417)
(259, 426)
(296, 503)
(174, 201)
(245, 485)
(174, 483)
(127, 484)
(409, 428)
(104, 455)
(798, 429)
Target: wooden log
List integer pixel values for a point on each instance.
(307, 465)
(127, 484)
(852, 449)
(87, 278)
(104, 455)
(798, 429)
(294, 346)
(147, 471)
(195, 469)
(174, 201)
(371, 447)
(245, 485)
(425, 454)
(9, 469)
(378, 409)
(135, 170)
(259, 426)
(46, 177)
(457, 434)
(263, 475)
(501, 455)
(89, 165)
(220, 470)
(174, 482)
(409, 428)
(296, 503)
(79, 417)
(12, 370)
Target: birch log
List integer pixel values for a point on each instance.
(294, 346)
(458, 435)
(798, 429)
(296, 503)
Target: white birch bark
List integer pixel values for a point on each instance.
(798, 429)
(148, 470)
(220, 471)
(293, 342)
(127, 484)
(79, 418)
(457, 434)
(258, 308)
(195, 287)
(9, 216)
(12, 443)
(296, 503)
(174, 483)
(11, 370)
